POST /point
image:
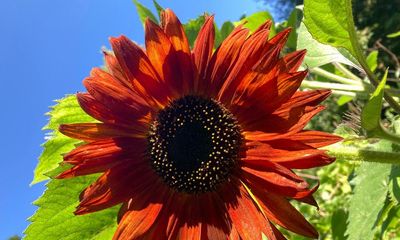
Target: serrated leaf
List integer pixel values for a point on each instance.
(331, 22)
(67, 110)
(144, 12)
(370, 192)
(253, 21)
(319, 54)
(371, 113)
(55, 219)
(192, 28)
(372, 60)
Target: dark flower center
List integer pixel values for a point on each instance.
(194, 144)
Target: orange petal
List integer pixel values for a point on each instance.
(288, 153)
(315, 139)
(117, 185)
(250, 53)
(174, 30)
(103, 87)
(94, 131)
(293, 60)
(246, 218)
(139, 69)
(223, 60)
(281, 212)
(103, 113)
(202, 50)
(141, 214)
(115, 69)
(101, 155)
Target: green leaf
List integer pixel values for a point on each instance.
(371, 113)
(158, 8)
(372, 60)
(55, 219)
(338, 224)
(331, 22)
(66, 111)
(220, 35)
(393, 35)
(370, 192)
(319, 54)
(192, 28)
(294, 22)
(144, 12)
(255, 20)
(343, 100)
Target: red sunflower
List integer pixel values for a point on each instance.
(199, 144)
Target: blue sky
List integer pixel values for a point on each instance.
(48, 47)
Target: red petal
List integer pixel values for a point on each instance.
(103, 113)
(246, 218)
(138, 69)
(202, 50)
(102, 155)
(224, 59)
(117, 185)
(293, 60)
(174, 30)
(141, 214)
(315, 138)
(278, 178)
(288, 153)
(281, 212)
(250, 53)
(115, 69)
(94, 131)
(104, 88)
(163, 56)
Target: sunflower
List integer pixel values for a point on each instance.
(197, 143)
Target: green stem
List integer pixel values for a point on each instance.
(385, 134)
(348, 153)
(346, 72)
(333, 77)
(344, 93)
(334, 86)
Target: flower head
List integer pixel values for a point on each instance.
(199, 144)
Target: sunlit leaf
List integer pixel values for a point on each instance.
(192, 28)
(253, 21)
(371, 113)
(222, 33)
(394, 35)
(158, 7)
(318, 54)
(331, 22)
(294, 22)
(66, 111)
(55, 219)
(372, 60)
(144, 12)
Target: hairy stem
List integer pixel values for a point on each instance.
(334, 77)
